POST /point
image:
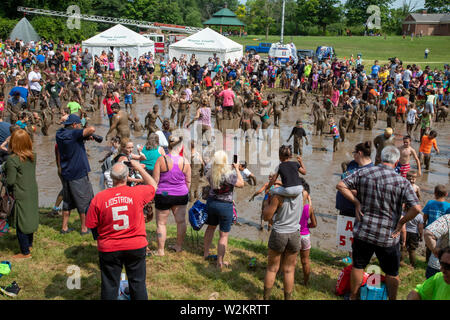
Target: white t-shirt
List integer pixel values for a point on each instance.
(246, 174)
(411, 117)
(34, 85)
(413, 225)
(398, 78)
(407, 75)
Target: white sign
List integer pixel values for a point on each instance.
(344, 232)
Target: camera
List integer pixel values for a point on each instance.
(97, 138)
(128, 164)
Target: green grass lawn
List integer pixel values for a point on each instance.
(174, 276)
(371, 47)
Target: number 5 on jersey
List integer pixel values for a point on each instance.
(123, 217)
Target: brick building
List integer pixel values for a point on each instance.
(427, 24)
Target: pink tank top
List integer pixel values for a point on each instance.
(304, 230)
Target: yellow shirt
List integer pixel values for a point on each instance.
(384, 75)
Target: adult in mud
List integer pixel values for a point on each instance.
(247, 116)
(382, 141)
(119, 123)
(97, 93)
(183, 107)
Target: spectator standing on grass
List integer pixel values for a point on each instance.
(361, 160)
(436, 208)
(172, 173)
(222, 178)
(20, 169)
(436, 287)
(437, 236)
(117, 219)
(284, 241)
(307, 221)
(77, 189)
(380, 194)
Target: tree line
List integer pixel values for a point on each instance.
(262, 17)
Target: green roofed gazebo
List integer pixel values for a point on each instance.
(225, 18)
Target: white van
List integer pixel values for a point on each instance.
(283, 52)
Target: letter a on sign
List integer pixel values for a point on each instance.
(349, 226)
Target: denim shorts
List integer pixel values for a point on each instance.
(219, 213)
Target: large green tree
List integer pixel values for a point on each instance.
(437, 6)
(356, 10)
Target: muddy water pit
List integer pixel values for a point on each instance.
(323, 167)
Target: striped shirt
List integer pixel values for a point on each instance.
(381, 193)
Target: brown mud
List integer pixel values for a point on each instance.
(323, 167)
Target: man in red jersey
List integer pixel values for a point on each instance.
(117, 217)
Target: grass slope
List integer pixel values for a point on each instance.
(371, 47)
(174, 276)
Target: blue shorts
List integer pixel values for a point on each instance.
(128, 99)
(219, 213)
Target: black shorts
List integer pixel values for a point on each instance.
(35, 93)
(388, 257)
(412, 241)
(77, 194)
(166, 202)
(347, 213)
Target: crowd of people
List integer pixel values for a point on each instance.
(44, 84)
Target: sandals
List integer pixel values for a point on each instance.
(66, 231)
(153, 253)
(173, 249)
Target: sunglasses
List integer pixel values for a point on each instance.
(445, 266)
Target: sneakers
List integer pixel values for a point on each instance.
(11, 291)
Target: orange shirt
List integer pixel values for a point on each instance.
(401, 103)
(427, 143)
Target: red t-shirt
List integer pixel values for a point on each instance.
(109, 102)
(401, 103)
(117, 213)
(208, 82)
(66, 56)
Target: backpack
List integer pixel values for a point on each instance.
(6, 200)
(198, 215)
(107, 164)
(4, 227)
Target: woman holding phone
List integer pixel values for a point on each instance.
(222, 178)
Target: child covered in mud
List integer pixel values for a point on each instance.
(335, 134)
(265, 189)
(289, 173)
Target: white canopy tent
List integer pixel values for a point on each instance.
(204, 44)
(117, 39)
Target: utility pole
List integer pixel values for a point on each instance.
(282, 23)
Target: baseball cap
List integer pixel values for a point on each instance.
(73, 118)
(298, 122)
